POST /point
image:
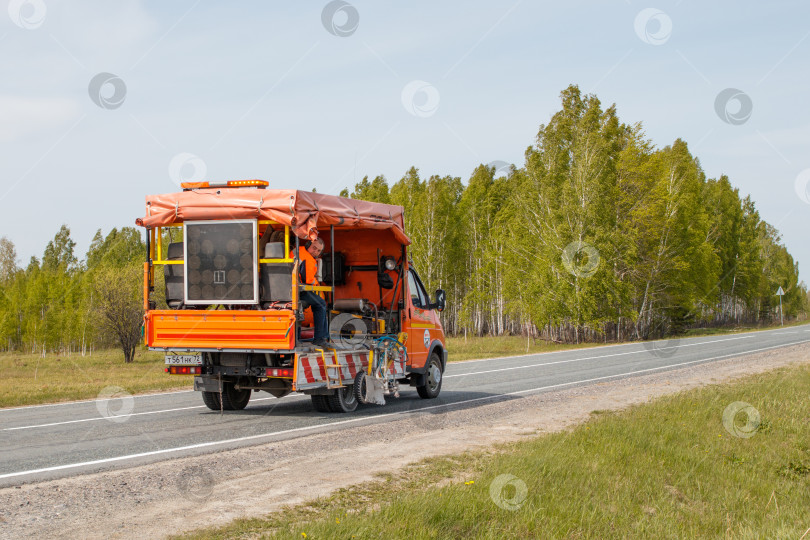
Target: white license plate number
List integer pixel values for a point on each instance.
(184, 359)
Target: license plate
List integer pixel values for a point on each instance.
(184, 359)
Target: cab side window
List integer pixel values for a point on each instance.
(418, 295)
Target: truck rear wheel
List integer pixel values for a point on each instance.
(321, 403)
(343, 400)
(211, 400)
(233, 399)
(433, 379)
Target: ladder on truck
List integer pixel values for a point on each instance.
(332, 382)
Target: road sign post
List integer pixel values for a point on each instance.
(779, 293)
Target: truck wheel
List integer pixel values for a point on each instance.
(211, 400)
(233, 399)
(321, 403)
(360, 388)
(433, 379)
(343, 400)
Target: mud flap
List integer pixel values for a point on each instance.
(369, 389)
(376, 391)
(206, 383)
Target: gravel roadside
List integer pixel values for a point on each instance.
(173, 496)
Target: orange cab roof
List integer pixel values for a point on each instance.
(304, 211)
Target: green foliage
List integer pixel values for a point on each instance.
(599, 235)
(53, 305)
(119, 305)
(59, 252)
(118, 249)
(8, 260)
(376, 190)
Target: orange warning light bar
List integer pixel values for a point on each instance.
(229, 183)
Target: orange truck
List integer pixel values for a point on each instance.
(231, 315)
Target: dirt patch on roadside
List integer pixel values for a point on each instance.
(170, 497)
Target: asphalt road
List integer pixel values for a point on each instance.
(53, 441)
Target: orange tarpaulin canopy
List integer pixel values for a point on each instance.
(303, 211)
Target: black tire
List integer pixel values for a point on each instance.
(211, 400)
(359, 388)
(233, 399)
(343, 400)
(321, 403)
(433, 378)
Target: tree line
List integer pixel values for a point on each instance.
(598, 236)
(62, 304)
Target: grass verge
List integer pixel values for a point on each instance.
(29, 379)
(675, 468)
(473, 348)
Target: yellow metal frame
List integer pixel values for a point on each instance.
(156, 255)
(156, 247)
(317, 288)
(287, 259)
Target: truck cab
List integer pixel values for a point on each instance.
(228, 310)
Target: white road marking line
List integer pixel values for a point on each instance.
(581, 359)
(365, 418)
(96, 418)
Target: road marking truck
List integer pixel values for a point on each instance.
(232, 317)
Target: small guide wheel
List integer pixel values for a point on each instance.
(361, 388)
(368, 389)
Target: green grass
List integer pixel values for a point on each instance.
(668, 469)
(474, 348)
(29, 379)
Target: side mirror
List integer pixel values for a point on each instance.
(441, 300)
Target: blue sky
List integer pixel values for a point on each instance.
(264, 90)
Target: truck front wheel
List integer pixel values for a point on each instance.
(433, 378)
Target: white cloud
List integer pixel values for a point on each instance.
(21, 117)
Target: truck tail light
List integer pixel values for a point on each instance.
(279, 372)
(184, 370)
